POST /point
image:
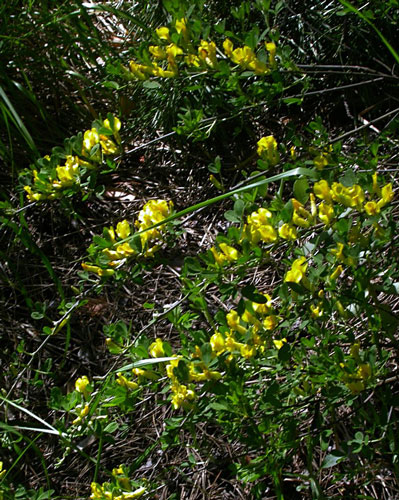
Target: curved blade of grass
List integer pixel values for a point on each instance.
(144, 362)
(9, 109)
(296, 172)
(352, 8)
(28, 412)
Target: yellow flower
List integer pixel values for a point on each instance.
(172, 51)
(243, 56)
(386, 195)
(267, 150)
(349, 197)
(301, 217)
(81, 384)
(163, 33)
(157, 52)
(108, 146)
(130, 495)
(181, 396)
(320, 161)
(229, 254)
(68, 174)
(259, 67)
(125, 250)
(90, 139)
(97, 270)
(338, 252)
(181, 26)
(124, 382)
(337, 272)
(201, 376)
(81, 412)
(371, 208)
(322, 190)
(116, 127)
(150, 375)
(376, 187)
(192, 60)
(123, 229)
(297, 271)
(32, 196)
(267, 233)
(270, 322)
(207, 52)
(171, 366)
(97, 491)
(232, 344)
(250, 318)
(260, 217)
(316, 311)
(279, 343)
(233, 320)
(248, 351)
(326, 213)
(156, 349)
(217, 343)
(228, 47)
(287, 232)
(2, 471)
(138, 70)
(271, 48)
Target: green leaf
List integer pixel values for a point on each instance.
(151, 84)
(348, 179)
(250, 292)
(111, 427)
(301, 188)
(284, 353)
(231, 216)
(144, 362)
(332, 459)
(287, 212)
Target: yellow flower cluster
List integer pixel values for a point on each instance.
(203, 57)
(119, 250)
(260, 228)
(356, 382)
(322, 159)
(256, 319)
(228, 254)
(120, 489)
(153, 212)
(351, 197)
(297, 272)
(354, 196)
(246, 58)
(48, 184)
(82, 412)
(183, 395)
(82, 385)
